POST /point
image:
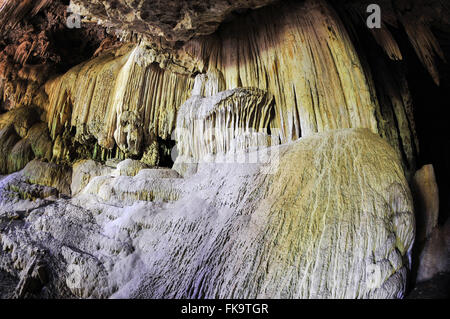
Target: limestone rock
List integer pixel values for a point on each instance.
(40, 141)
(34, 277)
(8, 139)
(85, 275)
(151, 155)
(157, 173)
(185, 166)
(174, 20)
(22, 138)
(21, 118)
(147, 185)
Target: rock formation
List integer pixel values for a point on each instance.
(220, 149)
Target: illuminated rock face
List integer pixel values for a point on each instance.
(329, 216)
(173, 20)
(230, 121)
(308, 62)
(121, 99)
(126, 99)
(125, 102)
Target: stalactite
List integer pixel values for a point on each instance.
(425, 45)
(305, 59)
(13, 11)
(417, 18)
(385, 39)
(121, 98)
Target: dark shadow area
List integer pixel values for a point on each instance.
(436, 288)
(430, 105)
(431, 108)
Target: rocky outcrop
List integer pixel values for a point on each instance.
(36, 44)
(49, 174)
(85, 170)
(433, 240)
(329, 216)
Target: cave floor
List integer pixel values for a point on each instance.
(437, 287)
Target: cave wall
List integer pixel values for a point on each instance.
(306, 60)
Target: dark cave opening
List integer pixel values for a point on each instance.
(165, 152)
(431, 103)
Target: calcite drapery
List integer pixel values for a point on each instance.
(308, 62)
(121, 98)
(229, 121)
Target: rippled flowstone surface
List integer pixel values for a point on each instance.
(327, 216)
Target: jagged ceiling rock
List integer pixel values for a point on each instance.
(22, 137)
(36, 44)
(173, 20)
